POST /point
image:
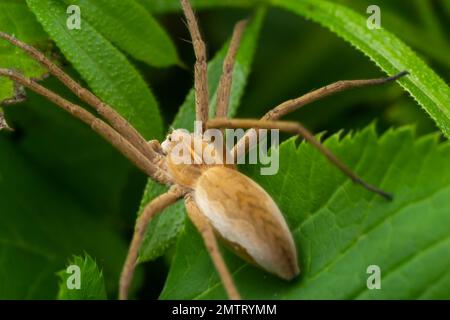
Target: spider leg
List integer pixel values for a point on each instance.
(98, 125)
(294, 104)
(201, 68)
(156, 206)
(224, 90)
(336, 87)
(207, 233)
(297, 128)
(108, 113)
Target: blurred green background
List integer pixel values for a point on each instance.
(294, 56)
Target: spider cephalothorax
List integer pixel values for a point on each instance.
(224, 196)
(220, 201)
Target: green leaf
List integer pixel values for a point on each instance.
(164, 230)
(129, 26)
(41, 226)
(92, 284)
(105, 69)
(16, 19)
(406, 27)
(340, 229)
(385, 49)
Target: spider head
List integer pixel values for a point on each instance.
(180, 155)
(175, 137)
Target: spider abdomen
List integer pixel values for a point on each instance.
(246, 217)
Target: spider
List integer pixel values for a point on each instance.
(221, 202)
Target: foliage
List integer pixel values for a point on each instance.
(92, 286)
(30, 31)
(341, 229)
(41, 226)
(386, 50)
(106, 70)
(64, 191)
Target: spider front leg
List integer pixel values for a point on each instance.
(296, 128)
(156, 206)
(336, 87)
(98, 125)
(207, 233)
(119, 123)
(295, 104)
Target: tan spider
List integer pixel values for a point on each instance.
(248, 221)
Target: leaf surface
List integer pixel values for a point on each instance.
(128, 25)
(341, 229)
(42, 225)
(16, 19)
(107, 71)
(92, 284)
